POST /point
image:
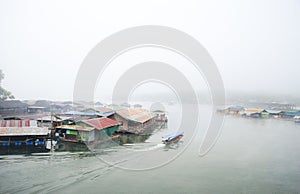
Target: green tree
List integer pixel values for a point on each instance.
(1, 76)
(4, 94)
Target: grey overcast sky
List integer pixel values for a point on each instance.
(255, 43)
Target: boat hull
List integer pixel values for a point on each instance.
(173, 140)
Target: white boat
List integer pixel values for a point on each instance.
(297, 119)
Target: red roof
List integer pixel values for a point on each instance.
(101, 123)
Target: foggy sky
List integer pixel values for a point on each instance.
(254, 43)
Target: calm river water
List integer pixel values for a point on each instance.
(251, 156)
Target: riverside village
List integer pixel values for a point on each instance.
(41, 126)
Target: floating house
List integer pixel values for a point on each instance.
(260, 113)
(252, 112)
(20, 133)
(88, 131)
(271, 113)
(135, 120)
(289, 114)
(75, 133)
(234, 109)
(105, 126)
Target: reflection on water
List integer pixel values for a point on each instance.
(173, 146)
(71, 147)
(22, 150)
(133, 138)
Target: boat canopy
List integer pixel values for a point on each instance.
(172, 136)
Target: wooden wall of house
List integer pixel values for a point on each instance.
(123, 121)
(135, 127)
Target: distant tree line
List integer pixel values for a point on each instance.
(4, 94)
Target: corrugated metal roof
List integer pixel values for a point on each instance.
(104, 112)
(75, 127)
(137, 115)
(22, 131)
(101, 123)
(274, 111)
(18, 123)
(107, 114)
(253, 110)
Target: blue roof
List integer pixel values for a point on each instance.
(172, 135)
(80, 113)
(105, 114)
